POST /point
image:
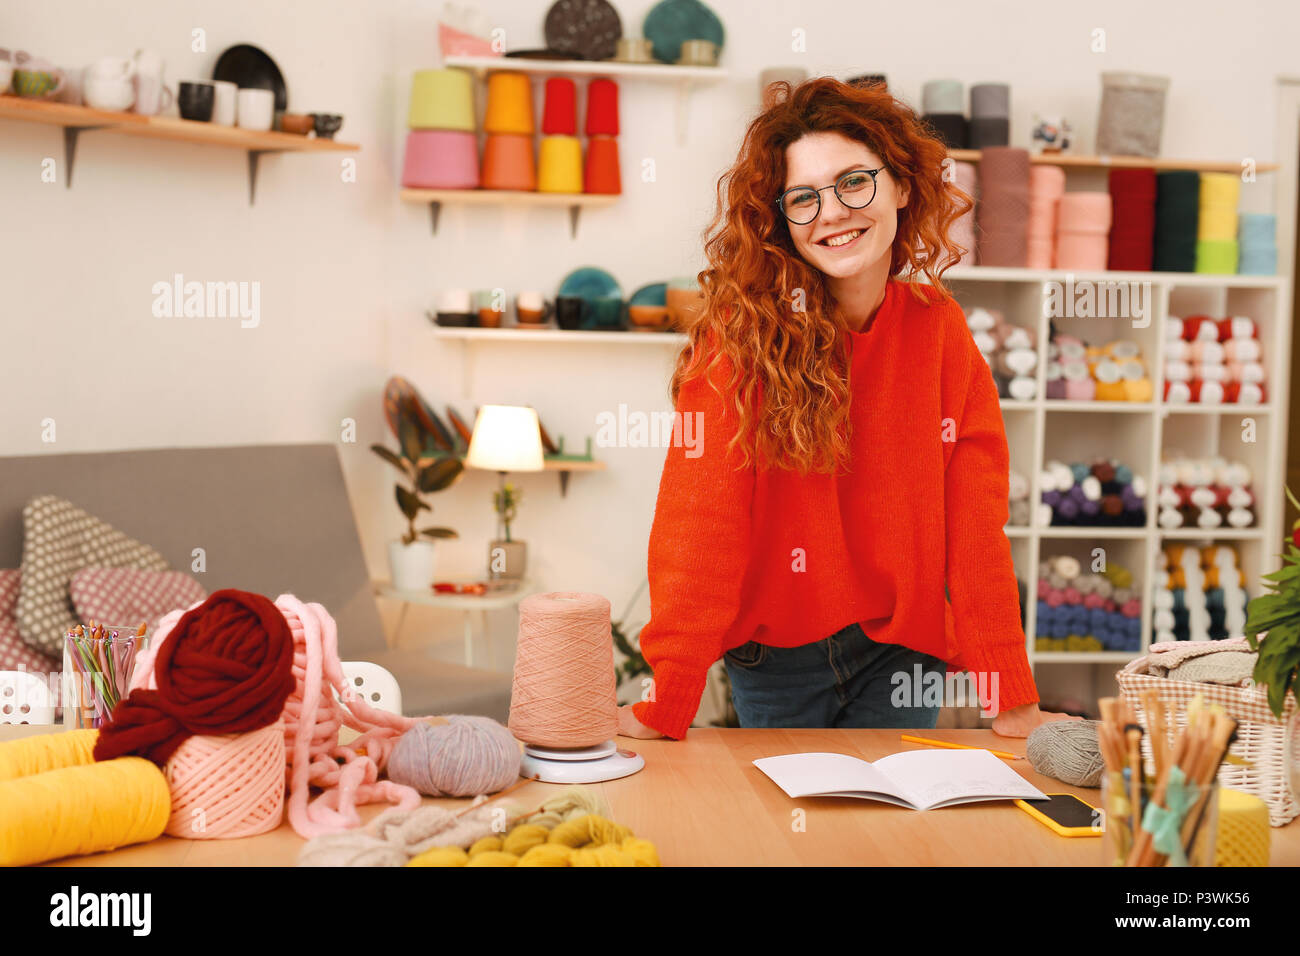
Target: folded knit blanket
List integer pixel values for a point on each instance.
(1230, 661)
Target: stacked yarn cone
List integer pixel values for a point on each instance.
(1257, 238)
(442, 145)
(1010, 351)
(1102, 493)
(1200, 594)
(1046, 187)
(1210, 361)
(990, 115)
(1205, 493)
(1133, 226)
(1114, 372)
(601, 172)
(943, 108)
(1085, 611)
(1002, 215)
(1083, 221)
(966, 178)
(560, 165)
(1177, 207)
(508, 158)
(1216, 234)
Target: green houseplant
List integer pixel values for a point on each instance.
(1276, 616)
(411, 559)
(508, 558)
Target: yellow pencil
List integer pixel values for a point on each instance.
(943, 743)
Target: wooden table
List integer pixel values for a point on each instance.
(702, 802)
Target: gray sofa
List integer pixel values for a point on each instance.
(269, 518)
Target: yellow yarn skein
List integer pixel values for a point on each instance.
(84, 809)
(589, 829)
(485, 844)
(41, 752)
(493, 858)
(441, 856)
(524, 837)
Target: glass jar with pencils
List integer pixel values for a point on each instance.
(98, 661)
(1163, 811)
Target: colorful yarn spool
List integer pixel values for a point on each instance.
(464, 757)
(564, 689)
(68, 807)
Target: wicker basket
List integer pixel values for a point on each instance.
(1261, 737)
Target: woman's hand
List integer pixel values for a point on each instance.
(1022, 721)
(629, 726)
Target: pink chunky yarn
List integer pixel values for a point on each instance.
(312, 720)
(228, 785)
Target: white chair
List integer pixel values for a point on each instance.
(25, 699)
(374, 684)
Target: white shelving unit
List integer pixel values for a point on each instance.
(1140, 433)
(1137, 433)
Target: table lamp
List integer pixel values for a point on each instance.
(506, 438)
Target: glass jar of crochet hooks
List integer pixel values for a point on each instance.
(1175, 825)
(98, 661)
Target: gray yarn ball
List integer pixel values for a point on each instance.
(462, 758)
(1067, 750)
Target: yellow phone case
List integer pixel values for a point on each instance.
(1055, 827)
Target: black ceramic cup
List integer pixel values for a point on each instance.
(195, 101)
(569, 311)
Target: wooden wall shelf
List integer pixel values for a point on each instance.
(574, 202)
(1160, 163)
(75, 120)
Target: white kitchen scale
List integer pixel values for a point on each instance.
(604, 761)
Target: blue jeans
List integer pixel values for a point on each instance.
(845, 680)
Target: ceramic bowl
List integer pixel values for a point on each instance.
(300, 124)
(327, 124)
(648, 316)
(455, 320)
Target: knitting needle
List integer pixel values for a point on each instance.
(497, 796)
(943, 743)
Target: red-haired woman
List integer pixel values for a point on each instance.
(835, 530)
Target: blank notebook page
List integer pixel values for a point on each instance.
(931, 778)
(804, 775)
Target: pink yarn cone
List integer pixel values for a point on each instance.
(227, 786)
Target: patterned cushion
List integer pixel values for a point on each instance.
(60, 539)
(127, 596)
(14, 654)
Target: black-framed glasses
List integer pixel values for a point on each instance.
(803, 204)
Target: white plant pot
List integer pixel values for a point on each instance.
(411, 565)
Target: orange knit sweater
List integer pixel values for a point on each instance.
(785, 560)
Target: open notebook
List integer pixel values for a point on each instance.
(919, 779)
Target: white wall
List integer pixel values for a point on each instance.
(346, 270)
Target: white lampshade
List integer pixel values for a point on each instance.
(506, 438)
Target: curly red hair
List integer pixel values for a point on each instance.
(789, 369)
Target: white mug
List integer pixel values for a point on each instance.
(530, 300)
(151, 95)
(223, 105)
(455, 300)
(108, 93)
(256, 108)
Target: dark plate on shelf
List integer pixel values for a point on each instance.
(545, 54)
(249, 67)
(587, 28)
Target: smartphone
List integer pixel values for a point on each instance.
(1065, 814)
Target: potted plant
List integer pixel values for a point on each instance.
(507, 558)
(1273, 630)
(411, 558)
